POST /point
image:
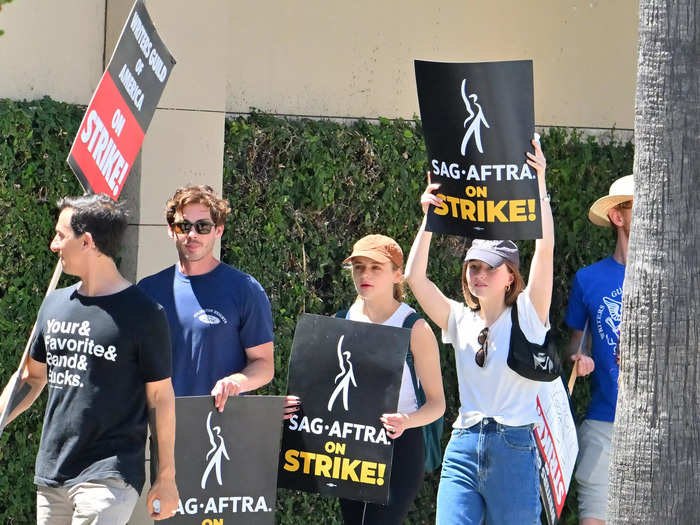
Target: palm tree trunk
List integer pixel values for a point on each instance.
(655, 460)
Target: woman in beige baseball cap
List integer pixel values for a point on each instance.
(377, 272)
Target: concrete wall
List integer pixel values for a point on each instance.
(316, 58)
(51, 48)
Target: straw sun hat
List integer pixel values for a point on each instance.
(622, 190)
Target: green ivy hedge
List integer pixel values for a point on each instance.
(302, 192)
(34, 141)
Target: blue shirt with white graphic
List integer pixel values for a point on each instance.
(213, 318)
(596, 299)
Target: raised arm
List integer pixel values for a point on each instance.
(160, 399)
(539, 285)
(31, 383)
(428, 295)
(426, 359)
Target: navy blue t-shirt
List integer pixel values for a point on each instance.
(596, 298)
(213, 318)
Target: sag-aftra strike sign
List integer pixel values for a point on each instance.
(347, 375)
(115, 123)
(226, 462)
(478, 121)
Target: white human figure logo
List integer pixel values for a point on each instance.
(214, 455)
(344, 378)
(474, 128)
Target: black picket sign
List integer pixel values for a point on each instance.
(226, 462)
(347, 375)
(478, 121)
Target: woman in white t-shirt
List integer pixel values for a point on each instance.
(489, 471)
(377, 271)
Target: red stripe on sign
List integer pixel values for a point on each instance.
(108, 140)
(545, 443)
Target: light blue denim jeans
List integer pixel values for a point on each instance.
(489, 475)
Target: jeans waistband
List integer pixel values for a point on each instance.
(489, 424)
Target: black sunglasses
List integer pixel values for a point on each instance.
(483, 351)
(202, 226)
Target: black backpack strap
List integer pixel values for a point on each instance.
(514, 319)
(408, 322)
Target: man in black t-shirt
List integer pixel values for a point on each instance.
(103, 347)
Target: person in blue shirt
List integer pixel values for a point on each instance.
(220, 317)
(595, 307)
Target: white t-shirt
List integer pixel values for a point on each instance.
(495, 390)
(407, 396)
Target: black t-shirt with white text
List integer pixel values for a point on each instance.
(99, 352)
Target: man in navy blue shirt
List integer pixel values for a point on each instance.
(220, 318)
(595, 306)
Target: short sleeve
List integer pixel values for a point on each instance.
(576, 308)
(155, 352)
(37, 348)
(530, 323)
(451, 335)
(256, 323)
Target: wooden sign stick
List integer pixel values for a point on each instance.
(574, 371)
(15, 379)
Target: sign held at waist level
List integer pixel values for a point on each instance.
(347, 375)
(226, 462)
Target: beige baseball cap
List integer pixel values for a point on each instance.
(379, 248)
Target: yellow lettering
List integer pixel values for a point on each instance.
(323, 465)
(348, 469)
(336, 467)
(368, 472)
(480, 211)
(468, 209)
(380, 477)
(493, 211)
(307, 457)
(442, 209)
(516, 210)
(334, 448)
(454, 201)
(479, 192)
(291, 465)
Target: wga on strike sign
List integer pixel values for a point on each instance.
(478, 121)
(115, 123)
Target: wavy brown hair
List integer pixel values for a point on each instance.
(517, 286)
(204, 194)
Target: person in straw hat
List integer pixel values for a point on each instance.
(595, 305)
